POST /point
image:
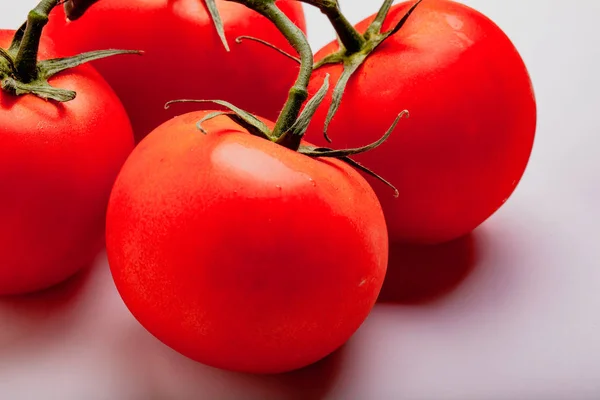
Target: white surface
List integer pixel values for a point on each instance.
(524, 324)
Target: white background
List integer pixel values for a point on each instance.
(523, 324)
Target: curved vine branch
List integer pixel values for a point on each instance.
(239, 40)
(298, 93)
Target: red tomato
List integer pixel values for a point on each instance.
(184, 57)
(240, 253)
(473, 119)
(58, 162)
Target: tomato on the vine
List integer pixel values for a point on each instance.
(241, 253)
(473, 118)
(58, 161)
(183, 55)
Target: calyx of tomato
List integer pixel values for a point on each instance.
(354, 47)
(21, 72)
(294, 119)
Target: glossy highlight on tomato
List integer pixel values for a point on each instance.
(183, 55)
(240, 253)
(472, 122)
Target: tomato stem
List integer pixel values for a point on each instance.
(20, 71)
(293, 121)
(26, 59)
(350, 38)
(298, 94)
(352, 60)
(212, 9)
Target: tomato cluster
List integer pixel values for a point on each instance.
(231, 237)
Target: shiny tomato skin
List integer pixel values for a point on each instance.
(240, 253)
(58, 162)
(183, 55)
(472, 122)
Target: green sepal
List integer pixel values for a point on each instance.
(401, 23)
(22, 73)
(314, 152)
(334, 58)
(239, 40)
(344, 154)
(359, 166)
(250, 128)
(248, 120)
(16, 42)
(351, 62)
(326, 152)
(350, 67)
(208, 117)
(6, 61)
(293, 136)
(39, 88)
(217, 21)
(375, 27)
(49, 68)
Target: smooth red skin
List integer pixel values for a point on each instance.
(57, 166)
(184, 57)
(240, 253)
(472, 122)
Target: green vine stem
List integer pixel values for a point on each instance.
(354, 52)
(26, 59)
(348, 35)
(298, 93)
(20, 71)
(354, 47)
(293, 120)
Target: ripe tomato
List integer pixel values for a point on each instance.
(58, 162)
(473, 118)
(184, 57)
(240, 253)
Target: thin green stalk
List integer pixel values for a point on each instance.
(294, 35)
(20, 71)
(352, 40)
(26, 59)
